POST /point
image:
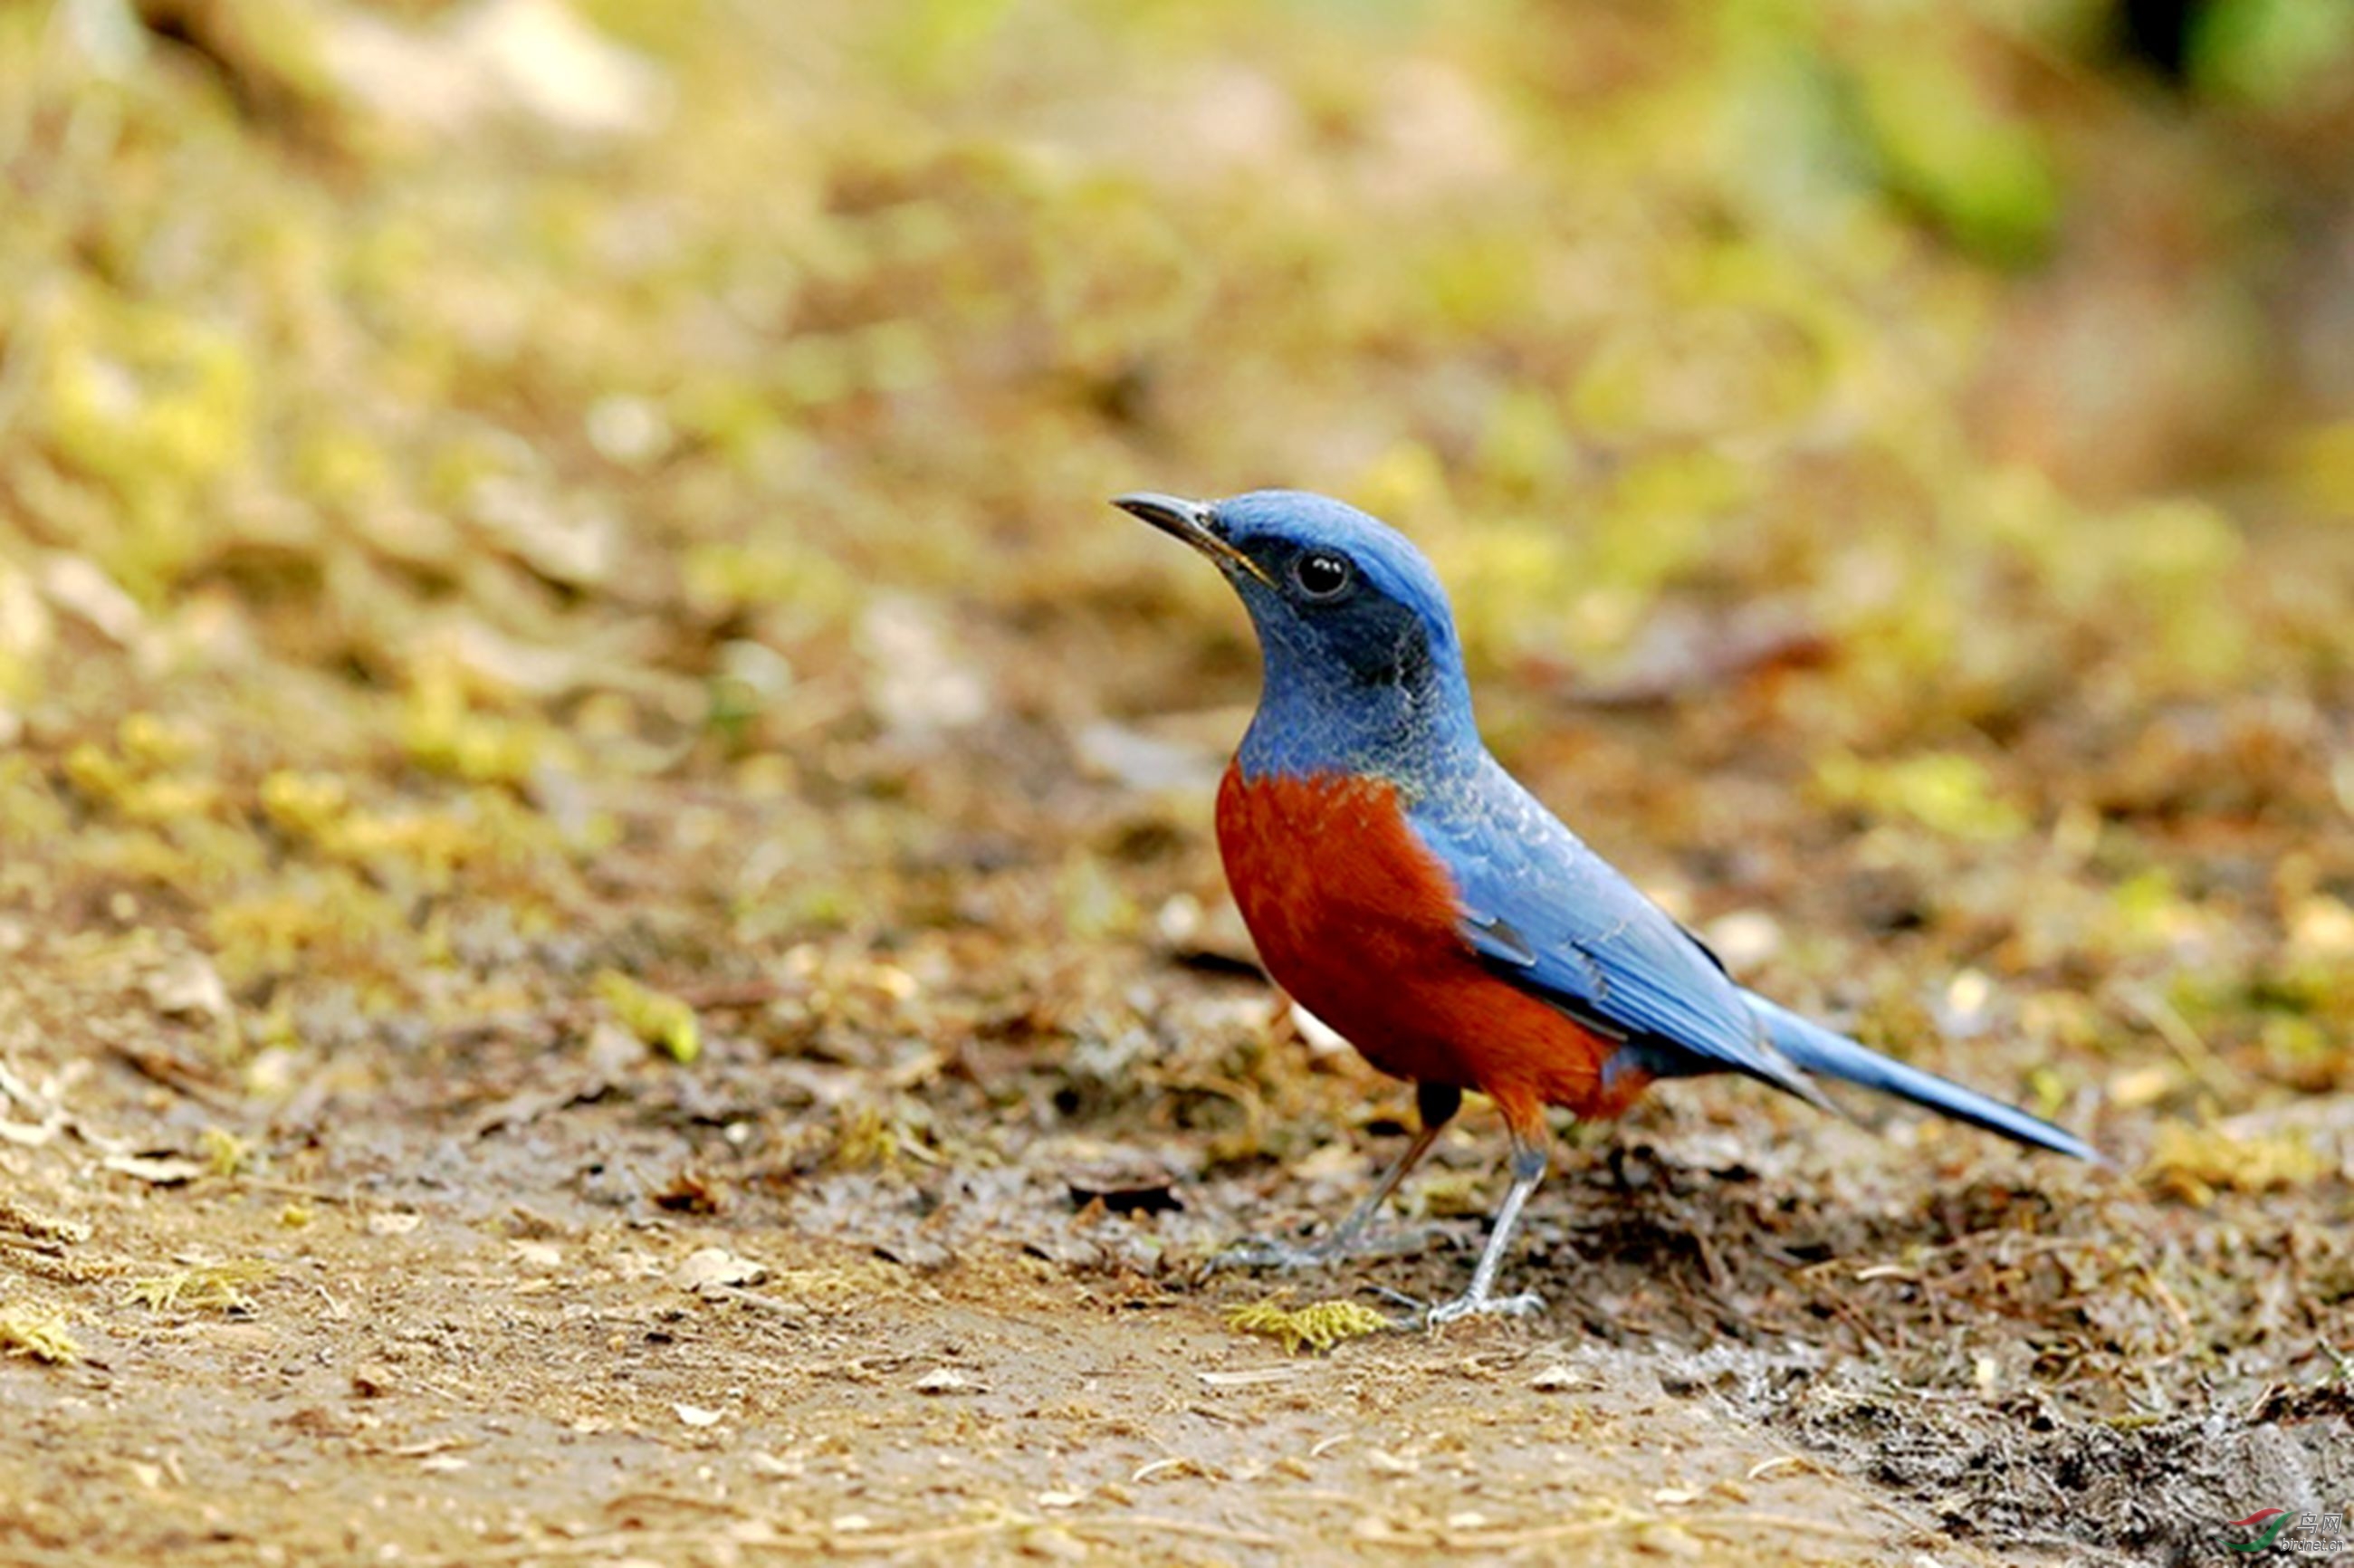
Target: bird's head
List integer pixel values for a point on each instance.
(1363, 667)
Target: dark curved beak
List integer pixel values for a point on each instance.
(1194, 522)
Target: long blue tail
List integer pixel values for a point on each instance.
(1817, 1050)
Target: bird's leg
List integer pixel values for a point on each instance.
(1528, 1170)
(1437, 1104)
(1341, 1240)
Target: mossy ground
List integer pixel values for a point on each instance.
(609, 941)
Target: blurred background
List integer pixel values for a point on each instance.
(569, 693)
(501, 493)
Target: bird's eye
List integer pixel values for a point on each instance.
(1321, 576)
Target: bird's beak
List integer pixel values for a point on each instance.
(1195, 521)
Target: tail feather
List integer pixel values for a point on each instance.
(1817, 1050)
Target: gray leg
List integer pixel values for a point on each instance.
(1438, 1103)
(1528, 1170)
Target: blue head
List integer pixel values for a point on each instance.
(1364, 672)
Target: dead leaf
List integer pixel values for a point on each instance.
(718, 1266)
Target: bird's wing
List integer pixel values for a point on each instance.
(1549, 915)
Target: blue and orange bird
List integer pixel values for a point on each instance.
(1407, 891)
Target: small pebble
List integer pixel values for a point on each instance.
(944, 1380)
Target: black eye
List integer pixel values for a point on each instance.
(1322, 577)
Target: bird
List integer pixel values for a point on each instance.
(1408, 891)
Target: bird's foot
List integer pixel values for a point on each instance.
(1288, 1257)
(1261, 1252)
(1479, 1304)
(1470, 1303)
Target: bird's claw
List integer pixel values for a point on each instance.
(1276, 1254)
(1527, 1304)
(1417, 1311)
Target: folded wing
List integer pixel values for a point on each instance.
(1547, 915)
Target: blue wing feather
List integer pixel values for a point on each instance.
(1550, 916)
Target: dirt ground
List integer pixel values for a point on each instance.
(610, 950)
(516, 1305)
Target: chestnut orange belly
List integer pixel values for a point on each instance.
(1357, 918)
